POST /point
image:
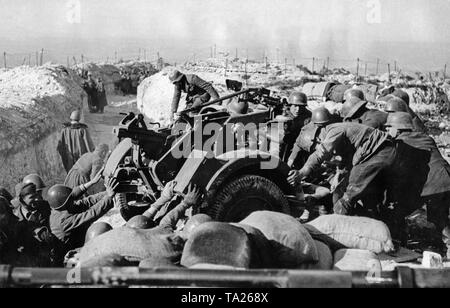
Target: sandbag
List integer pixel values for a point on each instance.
(356, 232)
(355, 260)
(336, 94)
(291, 244)
(219, 244)
(135, 244)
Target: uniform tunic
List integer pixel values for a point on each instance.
(74, 141)
(198, 92)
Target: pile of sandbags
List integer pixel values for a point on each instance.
(34, 103)
(290, 243)
(262, 240)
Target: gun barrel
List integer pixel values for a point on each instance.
(224, 98)
(402, 277)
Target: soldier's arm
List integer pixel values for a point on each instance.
(91, 201)
(89, 216)
(295, 152)
(172, 218)
(323, 152)
(176, 99)
(97, 165)
(206, 86)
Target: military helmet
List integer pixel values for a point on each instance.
(140, 222)
(351, 93)
(403, 95)
(194, 222)
(396, 105)
(321, 116)
(400, 120)
(58, 196)
(352, 106)
(75, 116)
(36, 180)
(96, 230)
(238, 107)
(298, 99)
(176, 76)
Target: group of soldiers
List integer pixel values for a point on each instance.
(39, 224)
(386, 166)
(96, 93)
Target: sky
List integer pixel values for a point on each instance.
(412, 32)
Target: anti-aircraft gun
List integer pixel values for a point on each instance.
(237, 177)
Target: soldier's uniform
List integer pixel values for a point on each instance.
(436, 191)
(69, 225)
(377, 161)
(198, 92)
(74, 141)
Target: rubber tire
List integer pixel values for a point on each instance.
(228, 202)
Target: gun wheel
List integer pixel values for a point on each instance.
(245, 195)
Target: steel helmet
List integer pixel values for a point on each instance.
(75, 116)
(403, 95)
(140, 222)
(58, 196)
(238, 107)
(298, 99)
(321, 116)
(400, 120)
(36, 180)
(194, 222)
(351, 93)
(95, 230)
(176, 76)
(396, 105)
(351, 107)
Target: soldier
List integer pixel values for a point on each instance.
(355, 110)
(71, 218)
(87, 167)
(33, 213)
(300, 116)
(377, 165)
(17, 245)
(316, 197)
(102, 100)
(74, 141)
(198, 91)
(436, 191)
(90, 87)
(419, 126)
(6, 195)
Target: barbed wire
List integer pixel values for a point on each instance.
(153, 55)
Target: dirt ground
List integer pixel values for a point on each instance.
(101, 125)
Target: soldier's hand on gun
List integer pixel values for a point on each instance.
(168, 192)
(111, 186)
(193, 196)
(295, 177)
